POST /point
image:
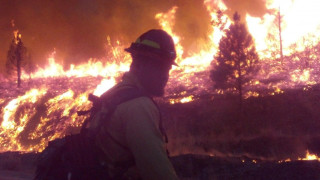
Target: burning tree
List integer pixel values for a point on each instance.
(18, 58)
(237, 61)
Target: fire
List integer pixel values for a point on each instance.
(104, 86)
(17, 36)
(309, 157)
(93, 68)
(63, 105)
(194, 62)
(298, 21)
(166, 21)
(30, 97)
(304, 76)
(211, 7)
(182, 100)
(10, 127)
(60, 105)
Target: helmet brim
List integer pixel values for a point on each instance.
(132, 50)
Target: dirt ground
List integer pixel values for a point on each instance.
(16, 166)
(16, 175)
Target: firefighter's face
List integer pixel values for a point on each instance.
(155, 76)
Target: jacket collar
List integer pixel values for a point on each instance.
(130, 79)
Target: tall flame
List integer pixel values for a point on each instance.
(166, 21)
(298, 20)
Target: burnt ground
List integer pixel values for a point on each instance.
(17, 166)
(271, 128)
(204, 167)
(268, 129)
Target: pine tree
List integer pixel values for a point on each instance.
(18, 58)
(236, 62)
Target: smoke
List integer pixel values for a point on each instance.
(256, 8)
(78, 29)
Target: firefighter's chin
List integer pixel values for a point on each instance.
(159, 93)
(155, 90)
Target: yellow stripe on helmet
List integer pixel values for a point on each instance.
(148, 43)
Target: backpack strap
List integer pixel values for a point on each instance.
(121, 96)
(129, 94)
(112, 103)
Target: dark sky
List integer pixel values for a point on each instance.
(78, 29)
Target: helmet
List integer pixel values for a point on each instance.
(155, 43)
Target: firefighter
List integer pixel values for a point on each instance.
(133, 140)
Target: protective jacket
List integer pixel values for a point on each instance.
(132, 137)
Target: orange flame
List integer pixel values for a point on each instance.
(92, 68)
(298, 21)
(10, 129)
(166, 21)
(310, 157)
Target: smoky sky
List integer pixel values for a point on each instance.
(78, 29)
(255, 8)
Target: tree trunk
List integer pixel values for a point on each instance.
(240, 93)
(280, 36)
(18, 55)
(240, 84)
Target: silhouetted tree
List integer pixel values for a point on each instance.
(18, 58)
(236, 61)
(279, 19)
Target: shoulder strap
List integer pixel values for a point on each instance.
(129, 94)
(111, 102)
(122, 96)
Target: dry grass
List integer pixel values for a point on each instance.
(271, 127)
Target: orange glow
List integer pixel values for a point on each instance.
(92, 68)
(182, 100)
(309, 157)
(297, 76)
(60, 106)
(295, 26)
(166, 21)
(10, 129)
(104, 86)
